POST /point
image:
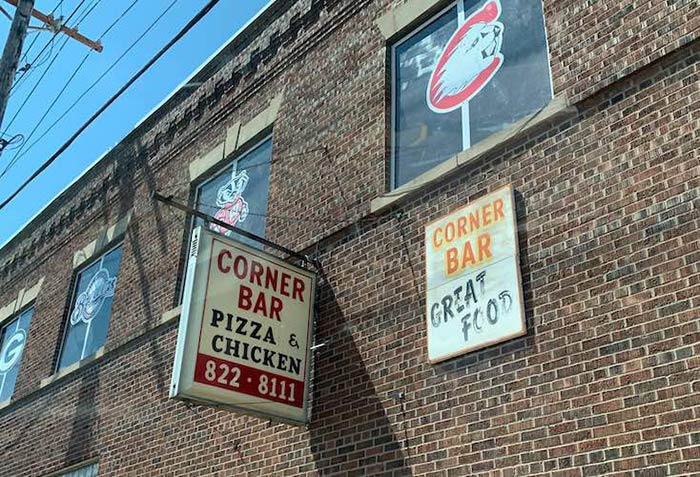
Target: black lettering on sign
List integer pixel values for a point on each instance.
(474, 311)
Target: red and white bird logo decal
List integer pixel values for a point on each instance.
(471, 58)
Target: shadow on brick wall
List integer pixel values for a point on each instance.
(350, 431)
(84, 428)
(139, 238)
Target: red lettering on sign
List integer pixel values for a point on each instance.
(268, 307)
(298, 289)
(224, 254)
(285, 284)
(244, 296)
(256, 273)
(276, 306)
(240, 267)
(264, 276)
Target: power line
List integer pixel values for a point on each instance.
(20, 153)
(36, 85)
(111, 100)
(29, 66)
(13, 143)
(31, 45)
(119, 18)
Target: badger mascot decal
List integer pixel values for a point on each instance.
(471, 58)
(233, 208)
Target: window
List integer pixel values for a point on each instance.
(83, 471)
(471, 71)
(13, 338)
(237, 194)
(88, 321)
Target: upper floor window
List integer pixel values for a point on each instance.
(469, 72)
(89, 470)
(237, 194)
(13, 338)
(88, 321)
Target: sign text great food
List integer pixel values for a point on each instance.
(474, 296)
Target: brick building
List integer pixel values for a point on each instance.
(330, 115)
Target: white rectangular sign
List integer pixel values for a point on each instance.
(245, 330)
(474, 295)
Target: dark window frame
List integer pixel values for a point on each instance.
(75, 282)
(16, 317)
(415, 28)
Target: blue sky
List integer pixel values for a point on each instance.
(185, 57)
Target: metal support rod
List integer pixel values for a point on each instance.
(169, 201)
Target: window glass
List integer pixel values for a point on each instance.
(471, 71)
(237, 195)
(88, 321)
(86, 471)
(13, 338)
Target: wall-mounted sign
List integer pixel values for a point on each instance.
(245, 331)
(474, 295)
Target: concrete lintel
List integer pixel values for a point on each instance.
(24, 298)
(8, 310)
(400, 17)
(236, 137)
(201, 165)
(557, 109)
(232, 135)
(259, 123)
(104, 237)
(72, 368)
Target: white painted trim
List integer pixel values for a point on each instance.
(105, 236)
(392, 51)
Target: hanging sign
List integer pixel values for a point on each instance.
(474, 294)
(245, 331)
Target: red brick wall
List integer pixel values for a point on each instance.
(606, 381)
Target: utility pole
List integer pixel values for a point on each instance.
(13, 48)
(56, 25)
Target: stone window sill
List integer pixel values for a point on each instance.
(167, 317)
(558, 109)
(171, 315)
(72, 368)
